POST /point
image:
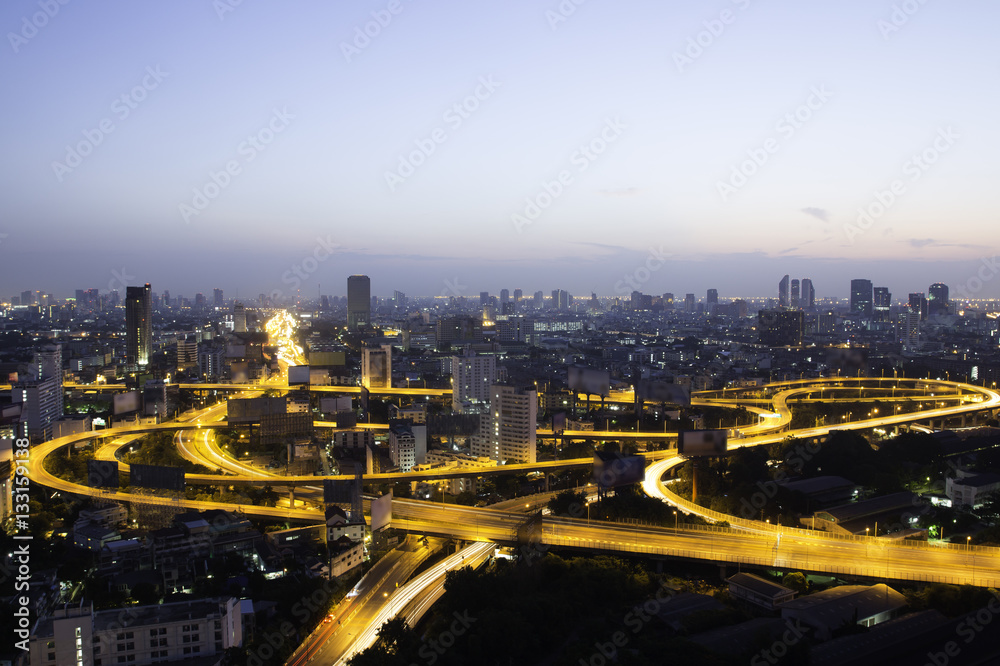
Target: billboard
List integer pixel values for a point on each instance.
(298, 374)
(558, 423)
(102, 473)
(615, 469)
(382, 512)
(251, 410)
(334, 405)
(702, 443)
(662, 392)
(156, 476)
(126, 402)
(327, 359)
(588, 380)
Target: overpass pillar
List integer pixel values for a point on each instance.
(963, 420)
(291, 497)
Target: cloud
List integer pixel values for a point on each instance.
(930, 242)
(819, 213)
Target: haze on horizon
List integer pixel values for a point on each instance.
(216, 144)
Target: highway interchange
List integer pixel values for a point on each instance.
(745, 541)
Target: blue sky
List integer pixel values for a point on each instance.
(743, 158)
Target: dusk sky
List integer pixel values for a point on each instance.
(420, 152)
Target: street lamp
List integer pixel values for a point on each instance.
(675, 521)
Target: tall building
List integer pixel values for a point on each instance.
(407, 444)
(780, 328)
(511, 436)
(908, 329)
(217, 299)
(808, 298)
(881, 302)
(783, 292)
(239, 318)
(504, 297)
(41, 396)
(689, 303)
(376, 367)
(484, 297)
(918, 304)
(539, 300)
(937, 299)
(471, 380)
(359, 301)
(138, 326)
(518, 295)
(793, 295)
(668, 301)
(398, 299)
(712, 297)
(862, 297)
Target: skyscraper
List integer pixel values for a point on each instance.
(712, 297)
(359, 303)
(217, 298)
(138, 325)
(512, 423)
(918, 304)
(793, 298)
(783, 292)
(862, 297)
(808, 298)
(937, 299)
(882, 300)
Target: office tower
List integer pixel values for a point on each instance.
(463, 328)
(668, 301)
(513, 328)
(862, 297)
(712, 297)
(881, 302)
(518, 295)
(484, 297)
(217, 298)
(560, 299)
(539, 300)
(376, 367)
(199, 300)
(738, 309)
(359, 305)
(399, 299)
(239, 318)
(138, 326)
(780, 328)
(471, 380)
(793, 295)
(827, 322)
(689, 302)
(783, 292)
(937, 299)
(918, 304)
(187, 352)
(808, 297)
(511, 436)
(166, 298)
(504, 297)
(507, 308)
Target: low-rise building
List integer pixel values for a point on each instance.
(832, 609)
(759, 591)
(972, 490)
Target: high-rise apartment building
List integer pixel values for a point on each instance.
(217, 299)
(511, 436)
(918, 304)
(359, 301)
(472, 378)
(881, 302)
(712, 297)
(780, 328)
(793, 295)
(138, 326)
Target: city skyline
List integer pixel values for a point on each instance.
(732, 143)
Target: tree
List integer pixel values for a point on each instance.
(796, 581)
(568, 503)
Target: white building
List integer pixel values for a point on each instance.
(511, 434)
(407, 444)
(471, 379)
(971, 490)
(376, 367)
(139, 634)
(41, 405)
(339, 525)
